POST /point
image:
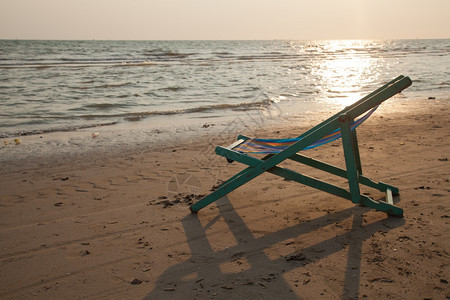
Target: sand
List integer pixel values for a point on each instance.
(116, 224)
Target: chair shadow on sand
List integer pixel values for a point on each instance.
(201, 276)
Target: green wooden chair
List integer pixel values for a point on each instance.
(343, 124)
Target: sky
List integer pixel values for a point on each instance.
(224, 20)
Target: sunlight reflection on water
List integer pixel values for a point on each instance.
(343, 76)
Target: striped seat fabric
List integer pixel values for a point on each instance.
(267, 146)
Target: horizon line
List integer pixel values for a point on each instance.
(275, 39)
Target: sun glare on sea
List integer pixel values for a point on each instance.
(345, 69)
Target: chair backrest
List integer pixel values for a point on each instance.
(331, 124)
(357, 103)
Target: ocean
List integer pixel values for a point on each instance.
(48, 86)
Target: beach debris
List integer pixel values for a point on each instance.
(58, 204)
(431, 98)
(180, 198)
(136, 281)
(17, 141)
(217, 185)
(422, 188)
(298, 256)
(306, 281)
(94, 135)
(143, 244)
(85, 252)
(227, 287)
(404, 238)
(381, 279)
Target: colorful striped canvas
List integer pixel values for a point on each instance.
(266, 146)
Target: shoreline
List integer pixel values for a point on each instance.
(110, 224)
(130, 137)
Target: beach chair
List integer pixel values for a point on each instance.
(341, 125)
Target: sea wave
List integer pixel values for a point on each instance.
(103, 86)
(94, 120)
(105, 106)
(172, 88)
(55, 129)
(244, 106)
(37, 64)
(166, 54)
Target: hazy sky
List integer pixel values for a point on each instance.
(225, 19)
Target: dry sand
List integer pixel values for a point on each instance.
(113, 226)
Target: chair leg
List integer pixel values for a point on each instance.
(356, 151)
(351, 157)
(230, 185)
(352, 162)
